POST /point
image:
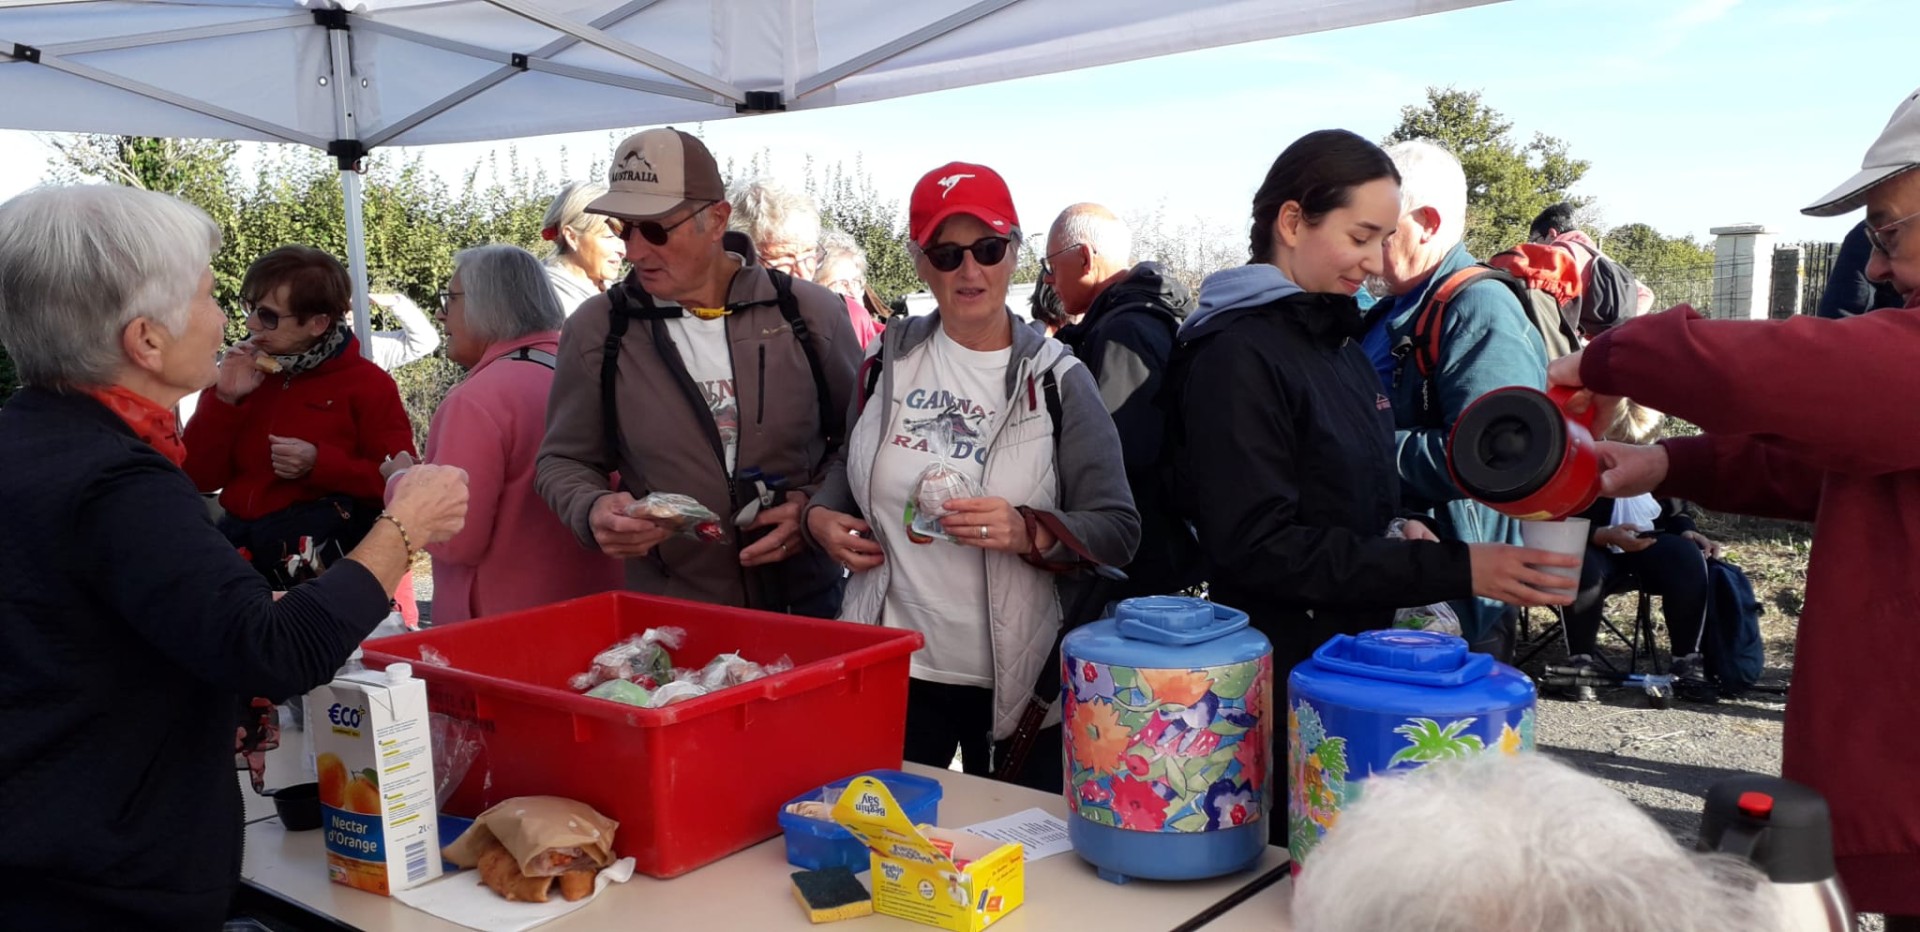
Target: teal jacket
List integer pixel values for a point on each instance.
(1487, 343)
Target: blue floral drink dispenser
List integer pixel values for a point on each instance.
(1168, 716)
(1389, 701)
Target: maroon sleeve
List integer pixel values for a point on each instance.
(1835, 395)
(1742, 475)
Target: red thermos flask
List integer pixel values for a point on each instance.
(1517, 451)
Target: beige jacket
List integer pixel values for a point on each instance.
(668, 440)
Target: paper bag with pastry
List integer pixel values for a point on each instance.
(524, 843)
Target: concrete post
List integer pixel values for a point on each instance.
(1742, 267)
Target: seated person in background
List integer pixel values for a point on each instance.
(1656, 542)
(1515, 844)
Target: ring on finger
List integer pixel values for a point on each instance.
(983, 532)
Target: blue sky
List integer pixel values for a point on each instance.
(1694, 113)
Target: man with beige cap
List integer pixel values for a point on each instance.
(704, 375)
(1815, 420)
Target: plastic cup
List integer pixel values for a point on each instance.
(1568, 536)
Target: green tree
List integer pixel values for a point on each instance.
(1678, 269)
(1508, 183)
(849, 201)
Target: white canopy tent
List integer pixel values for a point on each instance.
(349, 78)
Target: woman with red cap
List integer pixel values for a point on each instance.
(1010, 424)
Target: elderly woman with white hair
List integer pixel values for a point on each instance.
(503, 327)
(130, 626)
(587, 248)
(1515, 844)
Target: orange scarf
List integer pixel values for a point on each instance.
(151, 423)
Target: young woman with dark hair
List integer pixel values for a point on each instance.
(1282, 443)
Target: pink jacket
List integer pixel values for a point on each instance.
(514, 552)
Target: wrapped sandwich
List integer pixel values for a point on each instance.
(524, 846)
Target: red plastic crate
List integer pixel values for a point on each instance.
(689, 783)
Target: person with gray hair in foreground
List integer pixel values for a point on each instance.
(503, 327)
(131, 628)
(1516, 844)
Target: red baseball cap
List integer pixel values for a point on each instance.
(960, 188)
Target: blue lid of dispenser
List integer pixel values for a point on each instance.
(1169, 630)
(1415, 658)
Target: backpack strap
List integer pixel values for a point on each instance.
(790, 310)
(537, 357)
(619, 313)
(1430, 325)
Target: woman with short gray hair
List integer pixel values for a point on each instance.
(503, 326)
(587, 248)
(113, 574)
(843, 269)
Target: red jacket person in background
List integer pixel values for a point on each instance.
(1815, 420)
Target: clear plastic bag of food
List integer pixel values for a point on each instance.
(1438, 617)
(677, 691)
(938, 484)
(681, 514)
(643, 659)
(732, 670)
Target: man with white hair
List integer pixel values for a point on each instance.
(1486, 342)
(1515, 844)
(1125, 317)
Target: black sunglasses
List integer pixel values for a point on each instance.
(988, 250)
(651, 230)
(269, 318)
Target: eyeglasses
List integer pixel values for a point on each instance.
(446, 298)
(1046, 261)
(1879, 238)
(653, 232)
(987, 250)
(269, 318)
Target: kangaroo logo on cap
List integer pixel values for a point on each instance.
(634, 167)
(946, 184)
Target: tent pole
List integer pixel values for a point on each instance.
(357, 259)
(348, 152)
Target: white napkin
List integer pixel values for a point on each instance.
(461, 897)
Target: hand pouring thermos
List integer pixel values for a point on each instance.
(1783, 828)
(1517, 451)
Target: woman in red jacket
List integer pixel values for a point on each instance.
(293, 433)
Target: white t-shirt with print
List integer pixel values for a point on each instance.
(709, 360)
(939, 589)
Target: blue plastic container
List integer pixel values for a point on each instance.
(815, 844)
(1389, 701)
(1168, 714)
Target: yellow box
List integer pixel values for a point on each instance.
(915, 879)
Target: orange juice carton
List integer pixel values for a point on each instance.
(374, 757)
(939, 877)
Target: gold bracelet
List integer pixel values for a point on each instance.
(405, 541)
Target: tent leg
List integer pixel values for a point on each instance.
(357, 260)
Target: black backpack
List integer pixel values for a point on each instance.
(1733, 651)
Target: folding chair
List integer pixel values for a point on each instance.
(1640, 638)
